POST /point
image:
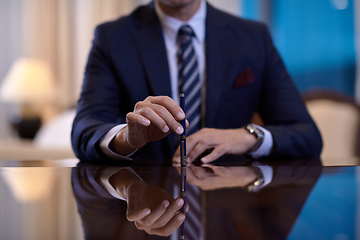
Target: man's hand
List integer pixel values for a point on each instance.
(151, 208)
(230, 141)
(209, 177)
(152, 119)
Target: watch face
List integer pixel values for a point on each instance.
(250, 128)
(258, 133)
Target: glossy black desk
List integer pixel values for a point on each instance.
(48, 199)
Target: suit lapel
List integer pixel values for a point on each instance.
(216, 63)
(148, 38)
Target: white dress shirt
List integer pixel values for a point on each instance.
(170, 27)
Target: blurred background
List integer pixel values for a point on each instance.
(44, 46)
(45, 43)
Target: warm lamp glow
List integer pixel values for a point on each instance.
(28, 81)
(28, 184)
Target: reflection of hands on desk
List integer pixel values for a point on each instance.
(151, 208)
(210, 177)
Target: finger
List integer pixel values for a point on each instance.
(176, 165)
(199, 172)
(215, 154)
(187, 123)
(170, 105)
(136, 215)
(133, 118)
(200, 148)
(169, 119)
(218, 170)
(176, 157)
(170, 227)
(191, 143)
(169, 213)
(154, 118)
(155, 214)
(191, 177)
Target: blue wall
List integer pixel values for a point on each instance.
(334, 200)
(315, 39)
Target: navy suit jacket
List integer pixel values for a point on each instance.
(244, 74)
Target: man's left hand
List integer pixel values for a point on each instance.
(222, 141)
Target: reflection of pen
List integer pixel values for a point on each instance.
(183, 165)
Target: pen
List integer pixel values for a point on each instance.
(183, 135)
(183, 165)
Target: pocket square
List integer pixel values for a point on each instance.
(245, 77)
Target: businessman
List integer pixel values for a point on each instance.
(228, 69)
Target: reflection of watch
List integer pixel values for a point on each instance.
(259, 181)
(258, 134)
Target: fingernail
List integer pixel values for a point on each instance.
(147, 122)
(166, 128)
(181, 217)
(147, 211)
(181, 116)
(179, 130)
(166, 203)
(180, 202)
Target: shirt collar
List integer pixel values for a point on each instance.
(171, 25)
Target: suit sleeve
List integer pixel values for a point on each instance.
(283, 110)
(98, 106)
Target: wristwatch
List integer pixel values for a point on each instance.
(259, 181)
(258, 134)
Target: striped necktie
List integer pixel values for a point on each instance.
(189, 79)
(193, 223)
(190, 85)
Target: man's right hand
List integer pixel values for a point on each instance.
(152, 119)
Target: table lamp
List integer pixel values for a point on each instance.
(29, 85)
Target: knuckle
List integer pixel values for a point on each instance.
(139, 105)
(146, 223)
(149, 98)
(128, 115)
(166, 232)
(149, 231)
(163, 100)
(159, 110)
(174, 123)
(204, 130)
(145, 111)
(139, 226)
(204, 141)
(160, 223)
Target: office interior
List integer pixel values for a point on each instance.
(319, 42)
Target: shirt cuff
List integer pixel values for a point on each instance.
(106, 175)
(266, 145)
(104, 144)
(267, 173)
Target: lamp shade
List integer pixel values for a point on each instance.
(28, 81)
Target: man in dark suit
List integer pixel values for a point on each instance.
(129, 99)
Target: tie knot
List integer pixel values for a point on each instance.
(186, 31)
